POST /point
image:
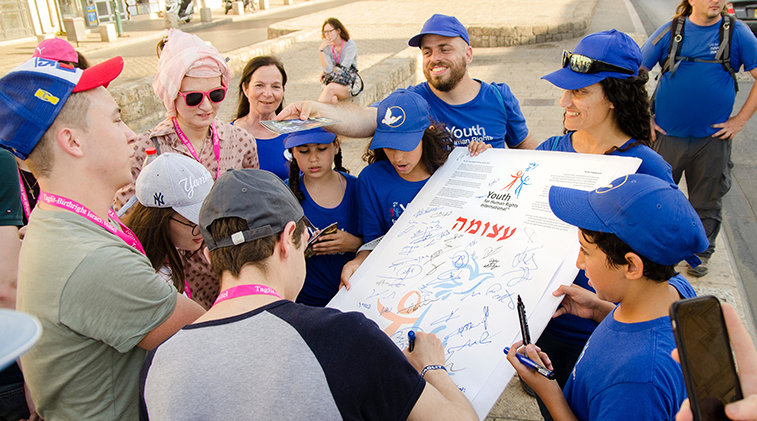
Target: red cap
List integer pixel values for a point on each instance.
(100, 75)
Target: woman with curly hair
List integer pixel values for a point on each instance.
(606, 111)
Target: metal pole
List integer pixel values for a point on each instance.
(119, 25)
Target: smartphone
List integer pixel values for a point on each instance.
(317, 237)
(706, 357)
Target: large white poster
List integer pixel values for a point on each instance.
(479, 234)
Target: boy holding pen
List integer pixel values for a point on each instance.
(632, 233)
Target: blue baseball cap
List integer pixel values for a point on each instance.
(401, 119)
(32, 95)
(613, 47)
(651, 216)
(303, 137)
(446, 26)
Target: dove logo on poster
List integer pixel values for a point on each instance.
(394, 117)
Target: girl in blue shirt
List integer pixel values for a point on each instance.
(407, 148)
(328, 194)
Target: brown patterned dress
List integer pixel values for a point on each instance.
(238, 150)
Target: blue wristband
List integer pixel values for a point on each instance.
(432, 367)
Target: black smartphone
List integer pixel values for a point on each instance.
(706, 357)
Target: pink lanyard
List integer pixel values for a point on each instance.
(188, 144)
(335, 55)
(246, 289)
(24, 197)
(126, 235)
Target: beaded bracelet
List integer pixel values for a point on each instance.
(432, 367)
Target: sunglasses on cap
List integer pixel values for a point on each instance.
(583, 64)
(194, 98)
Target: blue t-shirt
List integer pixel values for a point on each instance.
(625, 372)
(651, 162)
(323, 272)
(697, 95)
(271, 156)
(491, 118)
(383, 197)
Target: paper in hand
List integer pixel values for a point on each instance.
(289, 126)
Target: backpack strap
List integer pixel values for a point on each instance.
(727, 23)
(676, 43)
(154, 140)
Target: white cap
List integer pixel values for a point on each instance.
(19, 332)
(174, 181)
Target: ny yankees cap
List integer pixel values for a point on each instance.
(303, 137)
(175, 181)
(612, 47)
(32, 95)
(401, 119)
(257, 196)
(446, 26)
(651, 216)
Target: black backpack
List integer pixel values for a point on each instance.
(723, 56)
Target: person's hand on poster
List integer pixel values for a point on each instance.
(476, 147)
(746, 361)
(582, 303)
(350, 268)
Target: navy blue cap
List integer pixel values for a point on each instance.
(651, 216)
(303, 137)
(401, 119)
(613, 47)
(446, 26)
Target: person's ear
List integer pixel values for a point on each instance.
(69, 141)
(634, 266)
(286, 239)
(336, 146)
(206, 253)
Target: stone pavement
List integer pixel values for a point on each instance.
(530, 37)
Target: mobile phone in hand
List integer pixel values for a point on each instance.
(704, 349)
(317, 237)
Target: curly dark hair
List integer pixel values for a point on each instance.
(616, 249)
(631, 101)
(294, 172)
(437, 145)
(254, 64)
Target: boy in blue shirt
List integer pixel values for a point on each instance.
(632, 234)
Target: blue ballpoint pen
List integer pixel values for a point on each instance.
(532, 365)
(411, 340)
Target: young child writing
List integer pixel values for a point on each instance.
(406, 149)
(632, 234)
(328, 194)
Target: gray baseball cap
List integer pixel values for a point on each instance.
(175, 181)
(257, 196)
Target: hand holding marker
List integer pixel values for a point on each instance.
(526, 340)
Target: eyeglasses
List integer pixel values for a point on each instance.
(194, 98)
(582, 64)
(328, 31)
(195, 227)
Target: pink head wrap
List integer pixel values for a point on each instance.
(186, 55)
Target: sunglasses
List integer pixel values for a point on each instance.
(582, 64)
(195, 227)
(194, 98)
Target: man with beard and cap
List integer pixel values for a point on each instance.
(472, 110)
